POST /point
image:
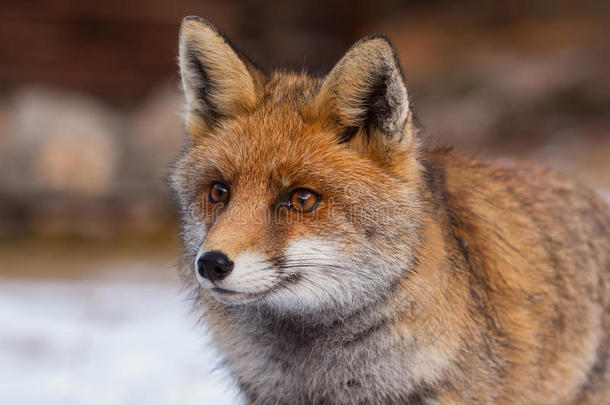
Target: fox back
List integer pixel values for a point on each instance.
(335, 260)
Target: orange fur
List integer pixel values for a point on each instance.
(489, 283)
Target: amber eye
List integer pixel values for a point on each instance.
(304, 200)
(219, 193)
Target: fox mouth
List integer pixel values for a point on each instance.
(224, 291)
(232, 297)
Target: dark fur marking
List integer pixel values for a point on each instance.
(434, 178)
(203, 90)
(595, 377)
(366, 332)
(480, 289)
(376, 104)
(348, 134)
(421, 396)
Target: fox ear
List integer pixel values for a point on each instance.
(218, 82)
(366, 90)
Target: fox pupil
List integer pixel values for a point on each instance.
(218, 193)
(303, 200)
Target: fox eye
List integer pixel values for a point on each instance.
(304, 200)
(219, 193)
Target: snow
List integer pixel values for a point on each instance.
(104, 342)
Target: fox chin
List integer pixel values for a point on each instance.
(335, 260)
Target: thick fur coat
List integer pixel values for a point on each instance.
(420, 277)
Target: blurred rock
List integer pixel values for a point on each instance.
(155, 134)
(60, 143)
(60, 157)
(514, 102)
(6, 123)
(6, 131)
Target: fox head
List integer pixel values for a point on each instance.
(301, 195)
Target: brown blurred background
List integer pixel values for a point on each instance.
(90, 121)
(90, 100)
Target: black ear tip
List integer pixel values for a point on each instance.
(377, 37)
(192, 18)
(197, 19)
(377, 44)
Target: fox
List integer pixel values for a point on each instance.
(334, 258)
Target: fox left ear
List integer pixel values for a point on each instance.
(366, 90)
(218, 81)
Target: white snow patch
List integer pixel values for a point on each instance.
(101, 342)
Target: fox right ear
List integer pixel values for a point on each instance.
(217, 81)
(366, 91)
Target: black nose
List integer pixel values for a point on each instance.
(214, 265)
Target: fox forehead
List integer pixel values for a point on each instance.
(275, 143)
(278, 146)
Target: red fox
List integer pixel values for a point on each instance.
(335, 260)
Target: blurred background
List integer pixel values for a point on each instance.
(90, 121)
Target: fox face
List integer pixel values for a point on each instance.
(291, 186)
